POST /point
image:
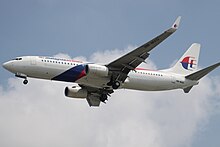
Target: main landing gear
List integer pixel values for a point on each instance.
(114, 84)
(103, 98)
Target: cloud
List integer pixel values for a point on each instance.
(62, 55)
(39, 114)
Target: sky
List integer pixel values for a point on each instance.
(100, 31)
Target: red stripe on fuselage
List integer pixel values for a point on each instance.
(145, 69)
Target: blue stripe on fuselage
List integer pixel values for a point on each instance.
(72, 74)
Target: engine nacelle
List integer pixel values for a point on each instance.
(75, 92)
(97, 70)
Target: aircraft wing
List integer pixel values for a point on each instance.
(122, 66)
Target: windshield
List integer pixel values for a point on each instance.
(17, 59)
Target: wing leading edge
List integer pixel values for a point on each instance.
(122, 66)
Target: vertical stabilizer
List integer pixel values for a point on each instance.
(188, 63)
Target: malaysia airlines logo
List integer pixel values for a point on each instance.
(188, 63)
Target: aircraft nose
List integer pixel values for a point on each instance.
(7, 65)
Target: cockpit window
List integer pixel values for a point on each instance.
(17, 59)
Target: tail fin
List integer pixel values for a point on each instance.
(188, 63)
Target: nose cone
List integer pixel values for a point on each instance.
(7, 65)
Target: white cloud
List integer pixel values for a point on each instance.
(109, 55)
(39, 114)
(62, 55)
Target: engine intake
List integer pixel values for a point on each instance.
(97, 70)
(75, 92)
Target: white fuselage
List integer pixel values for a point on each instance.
(51, 68)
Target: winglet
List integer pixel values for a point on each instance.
(176, 23)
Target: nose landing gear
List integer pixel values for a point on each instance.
(19, 75)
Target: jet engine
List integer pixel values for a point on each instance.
(97, 70)
(75, 92)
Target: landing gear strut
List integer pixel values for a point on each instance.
(23, 76)
(114, 84)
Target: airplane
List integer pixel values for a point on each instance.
(96, 82)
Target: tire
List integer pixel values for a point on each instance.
(103, 98)
(25, 82)
(116, 85)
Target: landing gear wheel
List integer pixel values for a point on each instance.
(115, 85)
(103, 98)
(25, 81)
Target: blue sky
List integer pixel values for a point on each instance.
(80, 28)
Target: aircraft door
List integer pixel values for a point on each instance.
(33, 61)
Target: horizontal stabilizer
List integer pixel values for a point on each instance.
(201, 73)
